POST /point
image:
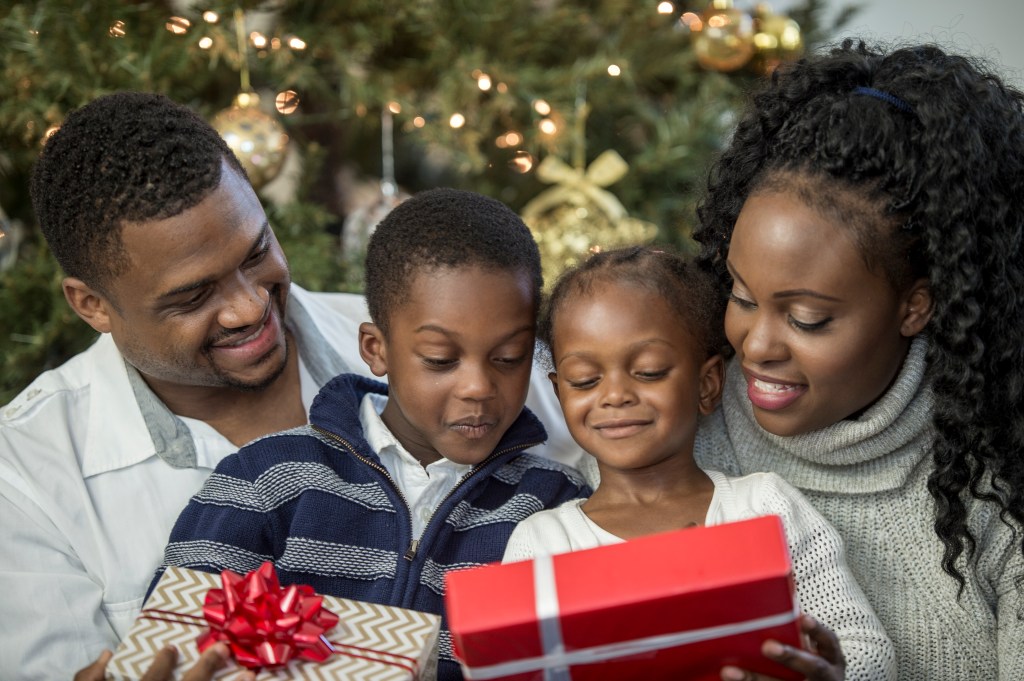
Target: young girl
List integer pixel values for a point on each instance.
(867, 219)
(635, 338)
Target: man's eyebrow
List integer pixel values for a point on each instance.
(257, 244)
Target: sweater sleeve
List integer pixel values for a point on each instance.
(225, 525)
(825, 584)
(1001, 568)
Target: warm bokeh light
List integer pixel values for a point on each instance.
(614, 70)
(258, 40)
(457, 120)
(541, 107)
(205, 43)
(296, 43)
(394, 107)
(419, 121)
(501, 87)
(548, 126)
(522, 163)
(484, 82)
(49, 133)
(666, 8)
(691, 21)
(116, 29)
(513, 138)
(287, 101)
(178, 25)
(211, 17)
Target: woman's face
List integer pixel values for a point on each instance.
(818, 335)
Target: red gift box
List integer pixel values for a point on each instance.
(677, 605)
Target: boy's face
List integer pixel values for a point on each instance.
(630, 378)
(457, 356)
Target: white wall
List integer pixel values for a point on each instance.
(992, 29)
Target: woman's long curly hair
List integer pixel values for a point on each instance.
(946, 178)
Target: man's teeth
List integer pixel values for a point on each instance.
(251, 336)
(766, 387)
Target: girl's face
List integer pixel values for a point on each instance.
(629, 376)
(818, 335)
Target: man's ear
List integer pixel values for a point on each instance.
(373, 348)
(712, 378)
(91, 305)
(917, 308)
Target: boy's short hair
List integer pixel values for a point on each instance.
(124, 157)
(444, 228)
(688, 289)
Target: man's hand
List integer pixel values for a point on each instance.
(824, 662)
(162, 668)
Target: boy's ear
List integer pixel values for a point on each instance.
(918, 308)
(553, 377)
(712, 379)
(92, 306)
(373, 348)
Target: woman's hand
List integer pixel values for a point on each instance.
(824, 662)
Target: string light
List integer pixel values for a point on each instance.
(547, 126)
(205, 43)
(691, 21)
(117, 29)
(178, 25)
(484, 82)
(211, 17)
(394, 107)
(258, 40)
(522, 163)
(501, 87)
(419, 121)
(287, 101)
(666, 8)
(614, 70)
(296, 43)
(541, 107)
(457, 120)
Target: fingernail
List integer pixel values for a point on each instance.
(773, 649)
(223, 651)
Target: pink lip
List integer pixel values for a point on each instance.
(473, 429)
(778, 395)
(617, 429)
(256, 347)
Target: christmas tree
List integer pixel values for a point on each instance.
(359, 98)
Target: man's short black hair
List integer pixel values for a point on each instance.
(444, 228)
(124, 157)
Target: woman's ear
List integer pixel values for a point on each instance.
(373, 348)
(92, 306)
(917, 308)
(712, 380)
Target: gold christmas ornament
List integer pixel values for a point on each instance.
(726, 39)
(577, 217)
(777, 39)
(258, 140)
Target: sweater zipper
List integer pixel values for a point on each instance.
(410, 553)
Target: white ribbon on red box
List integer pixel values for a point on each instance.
(555, 661)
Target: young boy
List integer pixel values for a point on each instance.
(388, 487)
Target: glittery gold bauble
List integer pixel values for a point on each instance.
(726, 39)
(777, 39)
(257, 139)
(567, 234)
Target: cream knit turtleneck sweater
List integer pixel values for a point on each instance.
(868, 477)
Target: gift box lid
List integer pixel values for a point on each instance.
(693, 579)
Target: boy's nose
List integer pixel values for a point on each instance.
(476, 382)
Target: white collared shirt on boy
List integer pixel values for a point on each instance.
(424, 487)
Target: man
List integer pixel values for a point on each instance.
(205, 346)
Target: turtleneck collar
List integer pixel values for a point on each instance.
(875, 452)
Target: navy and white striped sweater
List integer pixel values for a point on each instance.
(317, 501)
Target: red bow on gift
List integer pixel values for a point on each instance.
(263, 624)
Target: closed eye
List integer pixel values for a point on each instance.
(809, 326)
(741, 302)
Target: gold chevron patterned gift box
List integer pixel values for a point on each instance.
(370, 642)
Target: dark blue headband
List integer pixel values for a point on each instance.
(885, 97)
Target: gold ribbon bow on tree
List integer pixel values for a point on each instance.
(577, 216)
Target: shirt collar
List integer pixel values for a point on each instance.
(144, 426)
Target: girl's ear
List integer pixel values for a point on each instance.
(92, 306)
(373, 348)
(917, 308)
(712, 379)
(553, 377)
